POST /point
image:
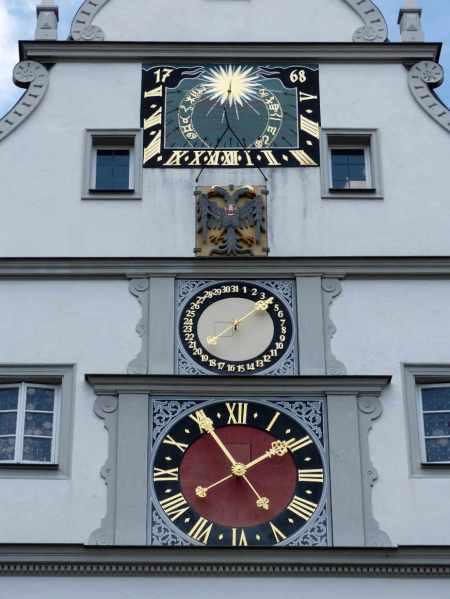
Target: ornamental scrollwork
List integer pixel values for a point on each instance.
(35, 78)
(423, 78)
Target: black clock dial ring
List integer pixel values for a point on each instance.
(293, 481)
(236, 327)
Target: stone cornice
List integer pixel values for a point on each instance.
(76, 560)
(268, 386)
(135, 268)
(403, 53)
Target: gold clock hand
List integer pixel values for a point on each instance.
(261, 502)
(207, 425)
(260, 306)
(277, 448)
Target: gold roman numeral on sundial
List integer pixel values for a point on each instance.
(279, 536)
(302, 507)
(169, 440)
(237, 413)
(311, 127)
(174, 506)
(296, 444)
(238, 539)
(160, 474)
(313, 475)
(201, 531)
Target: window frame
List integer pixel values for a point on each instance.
(351, 139)
(367, 165)
(20, 422)
(421, 412)
(60, 377)
(415, 378)
(113, 139)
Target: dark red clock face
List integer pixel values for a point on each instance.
(237, 474)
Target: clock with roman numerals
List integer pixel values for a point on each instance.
(236, 327)
(239, 473)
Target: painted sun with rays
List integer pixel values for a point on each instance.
(235, 85)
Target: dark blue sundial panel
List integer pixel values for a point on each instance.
(230, 115)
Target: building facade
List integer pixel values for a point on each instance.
(224, 275)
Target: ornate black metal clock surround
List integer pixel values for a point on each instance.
(235, 472)
(230, 115)
(236, 327)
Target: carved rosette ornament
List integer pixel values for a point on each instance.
(423, 77)
(35, 77)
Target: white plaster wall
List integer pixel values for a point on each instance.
(380, 325)
(41, 176)
(228, 20)
(201, 588)
(91, 325)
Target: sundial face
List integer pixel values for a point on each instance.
(230, 115)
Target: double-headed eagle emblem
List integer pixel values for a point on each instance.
(231, 221)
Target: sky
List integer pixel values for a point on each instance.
(17, 21)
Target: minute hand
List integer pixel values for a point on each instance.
(278, 448)
(261, 306)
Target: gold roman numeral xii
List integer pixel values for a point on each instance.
(237, 413)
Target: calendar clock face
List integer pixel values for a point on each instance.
(236, 328)
(230, 115)
(234, 473)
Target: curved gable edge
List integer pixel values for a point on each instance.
(35, 77)
(423, 77)
(374, 28)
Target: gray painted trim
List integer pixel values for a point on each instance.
(35, 78)
(345, 457)
(82, 28)
(331, 288)
(361, 137)
(106, 407)
(310, 321)
(140, 289)
(133, 139)
(57, 374)
(76, 560)
(369, 410)
(413, 376)
(131, 471)
(398, 53)
(125, 520)
(161, 331)
(374, 30)
(423, 77)
(287, 267)
(205, 386)
(375, 27)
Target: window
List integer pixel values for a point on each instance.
(434, 407)
(36, 405)
(113, 167)
(350, 164)
(427, 402)
(28, 423)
